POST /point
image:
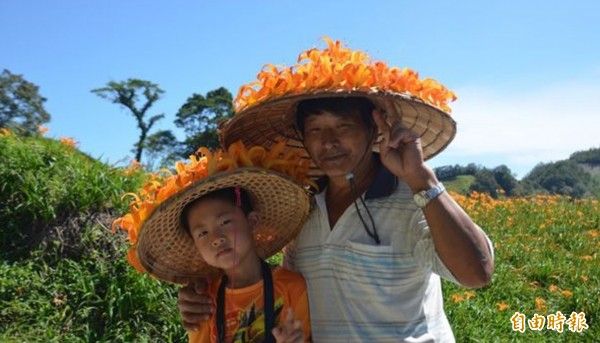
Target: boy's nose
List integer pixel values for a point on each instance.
(218, 241)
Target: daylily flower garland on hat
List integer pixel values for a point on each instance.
(159, 188)
(339, 68)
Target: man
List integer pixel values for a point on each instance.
(383, 230)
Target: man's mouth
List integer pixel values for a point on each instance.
(332, 157)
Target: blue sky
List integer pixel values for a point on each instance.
(527, 73)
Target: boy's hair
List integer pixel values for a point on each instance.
(336, 105)
(226, 194)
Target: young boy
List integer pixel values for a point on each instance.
(221, 224)
(214, 219)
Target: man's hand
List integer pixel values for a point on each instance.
(290, 331)
(400, 149)
(195, 306)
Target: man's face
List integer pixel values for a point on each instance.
(337, 143)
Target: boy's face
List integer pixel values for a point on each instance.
(222, 233)
(337, 143)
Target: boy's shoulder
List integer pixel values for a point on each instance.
(288, 276)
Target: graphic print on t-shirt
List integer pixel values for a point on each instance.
(251, 327)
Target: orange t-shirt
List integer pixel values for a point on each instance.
(244, 309)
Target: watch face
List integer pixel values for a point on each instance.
(420, 199)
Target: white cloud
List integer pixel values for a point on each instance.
(526, 127)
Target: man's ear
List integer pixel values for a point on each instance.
(253, 219)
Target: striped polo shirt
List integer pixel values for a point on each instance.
(363, 292)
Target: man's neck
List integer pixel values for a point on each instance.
(362, 178)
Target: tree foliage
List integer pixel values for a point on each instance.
(127, 94)
(489, 181)
(562, 177)
(162, 149)
(505, 179)
(591, 156)
(485, 183)
(200, 117)
(21, 105)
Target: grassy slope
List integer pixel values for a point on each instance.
(63, 276)
(460, 184)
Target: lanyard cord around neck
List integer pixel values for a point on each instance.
(268, 305)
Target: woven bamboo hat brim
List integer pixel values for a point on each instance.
(275, 120)
(168, 253)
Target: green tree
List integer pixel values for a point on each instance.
(200, 117)
(591, 156)
(562, 177)
(485, 183)
(21, 105)
(127, 94)
(162, 150)
(505, 178)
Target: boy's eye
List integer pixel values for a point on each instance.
(202, 234)
(226, 222)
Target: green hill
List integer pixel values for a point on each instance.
(460, 184)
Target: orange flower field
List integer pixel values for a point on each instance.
(546, 255)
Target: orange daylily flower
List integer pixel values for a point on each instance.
(133, 260)
(68, 141)
(338, 68)
(42, 129)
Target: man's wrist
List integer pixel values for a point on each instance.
(422, 180)
(424, 197)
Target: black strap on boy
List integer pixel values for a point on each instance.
(269, 308)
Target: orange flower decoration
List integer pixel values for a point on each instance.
(339, 68)
(159, 188)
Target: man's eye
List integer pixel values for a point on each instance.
(202, 234)
(226, 222)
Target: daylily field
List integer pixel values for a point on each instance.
(63, 275)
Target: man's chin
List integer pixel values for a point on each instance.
(334, 171)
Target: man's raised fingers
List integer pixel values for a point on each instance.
(401, 135)
(381, 123)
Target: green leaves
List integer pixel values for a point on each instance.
(200, 117)
(21, 105)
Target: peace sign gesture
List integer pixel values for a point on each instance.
(400, 149)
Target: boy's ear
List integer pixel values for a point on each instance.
(253, 219)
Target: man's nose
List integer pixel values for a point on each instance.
(329, 138)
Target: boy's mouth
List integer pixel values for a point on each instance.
(223, 252)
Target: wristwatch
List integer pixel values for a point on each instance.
(423, 198)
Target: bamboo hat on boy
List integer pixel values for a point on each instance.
(275, 180)
(266, 108)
